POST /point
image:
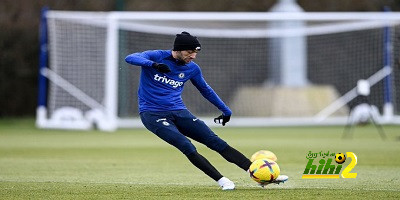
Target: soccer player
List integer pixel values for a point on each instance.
(162, 111)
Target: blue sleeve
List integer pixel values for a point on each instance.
(145, 59)
(208, 93)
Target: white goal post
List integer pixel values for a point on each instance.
(272, 69)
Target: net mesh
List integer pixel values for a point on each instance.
(77, 54)
(226, 65)
(342, 59)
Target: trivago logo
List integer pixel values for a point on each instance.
(325, 167)
(164, 79)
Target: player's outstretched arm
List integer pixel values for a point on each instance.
(208, 93)
(144, 59)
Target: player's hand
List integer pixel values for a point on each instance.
(222, 119)
(161, 67)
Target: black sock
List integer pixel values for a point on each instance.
(202, 163)
(234, 156)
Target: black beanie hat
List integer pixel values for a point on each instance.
(185, 41)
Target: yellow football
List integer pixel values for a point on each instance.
(264, 170)
(263, 154)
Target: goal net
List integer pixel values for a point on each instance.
(271, 69)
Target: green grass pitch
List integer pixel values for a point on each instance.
(135, 164)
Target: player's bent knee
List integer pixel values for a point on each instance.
(217, 145)
(185, 147)
(188, 149)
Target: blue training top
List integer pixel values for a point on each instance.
(162, 91)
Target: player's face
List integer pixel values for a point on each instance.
(187, 55)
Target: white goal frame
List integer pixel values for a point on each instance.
(104, 114)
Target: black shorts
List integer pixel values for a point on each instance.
(175, 126)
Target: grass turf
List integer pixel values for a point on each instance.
(135, 164)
